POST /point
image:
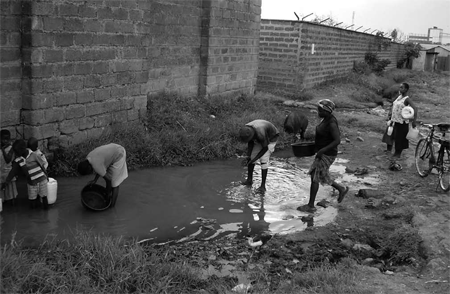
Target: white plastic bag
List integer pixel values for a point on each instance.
(413, 134)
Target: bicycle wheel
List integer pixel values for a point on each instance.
(422, 157)
(444, 174)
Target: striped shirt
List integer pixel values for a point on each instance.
(30, 166)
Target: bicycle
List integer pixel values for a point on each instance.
(427, 159)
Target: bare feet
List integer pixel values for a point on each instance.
(247, 183)
(306, 208)
(342, 194)
(261, 190)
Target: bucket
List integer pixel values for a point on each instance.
(93, 197)
(304, 149)
(52, 187)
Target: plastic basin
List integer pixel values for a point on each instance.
(93, 197)
(304, 149)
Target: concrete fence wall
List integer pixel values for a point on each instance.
(70, 69)
(297, 55)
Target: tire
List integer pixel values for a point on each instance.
(422, 157)
(444, 174)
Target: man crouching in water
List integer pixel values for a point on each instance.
(261, 137)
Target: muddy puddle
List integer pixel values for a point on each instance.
(176, 204)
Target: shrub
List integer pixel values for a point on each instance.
(361, 67)
(371, 64)
(402, 245)
(377, 65)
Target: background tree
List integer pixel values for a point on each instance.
(397, 36)
(412, 50)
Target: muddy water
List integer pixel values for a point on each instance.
(180, 203)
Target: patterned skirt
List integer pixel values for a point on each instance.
(320, 169)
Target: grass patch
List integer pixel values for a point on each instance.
(344, 277)
(106, 264)
(97, 264)
(180, 131)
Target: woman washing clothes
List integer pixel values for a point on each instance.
(327, 139)
(400, 124)
(110, 162)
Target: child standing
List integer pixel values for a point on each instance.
(32, 166)
(33, 145)
(9, 193)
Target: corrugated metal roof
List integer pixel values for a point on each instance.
(431, 46)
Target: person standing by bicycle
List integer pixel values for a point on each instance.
(401, 125)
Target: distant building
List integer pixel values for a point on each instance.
(434, 36)
(432, 58)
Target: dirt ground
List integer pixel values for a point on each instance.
(403, 200)
(399, 232)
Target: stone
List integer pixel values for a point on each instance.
(367, 261)
(369, 193)
(347, 243)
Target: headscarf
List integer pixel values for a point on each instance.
(327, 104)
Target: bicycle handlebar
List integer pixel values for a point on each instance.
(439, 125)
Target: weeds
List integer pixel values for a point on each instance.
(402, 245)
(179, 131)
(105, 264)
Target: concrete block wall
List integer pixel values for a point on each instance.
(78, 67)
(230, 46)
(10, 66)
(299, 55)
(278, 56)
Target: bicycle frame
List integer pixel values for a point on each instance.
(425, 152)
(441, 153)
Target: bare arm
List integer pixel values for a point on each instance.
(259, 155)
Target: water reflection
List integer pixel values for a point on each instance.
(178, 204)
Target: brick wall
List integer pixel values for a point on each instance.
(298, 55)
(10, 66)
(230, 47)
(78, 67)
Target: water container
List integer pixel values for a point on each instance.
(389, 130)
(52, 187)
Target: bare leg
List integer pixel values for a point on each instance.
(342, 191)
(314, 188)
(337, 187)
(249, 180)
(45, 202)
(262, 188)
(115, 194)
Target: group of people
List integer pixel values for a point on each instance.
(261, 137)
(21, 157)
(109, 161)
(26, 158)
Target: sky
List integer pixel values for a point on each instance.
(407, 16)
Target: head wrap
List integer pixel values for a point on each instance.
(327, 104)
(246, 133)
